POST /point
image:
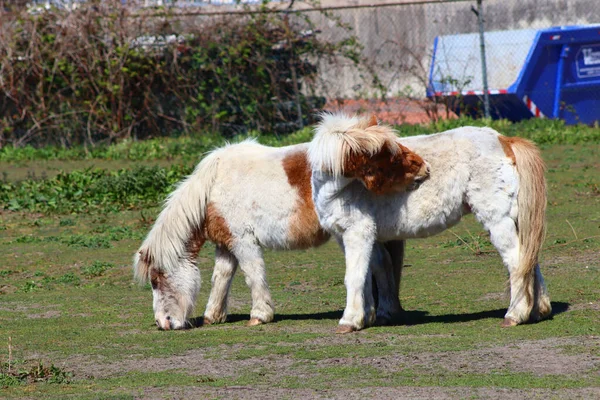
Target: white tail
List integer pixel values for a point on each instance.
(182, 215)
(531, 219)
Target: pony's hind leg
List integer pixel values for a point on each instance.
(225, 267)
(396, 249)
(383, 266)
(252, 265)
(541, 306)
(504, 236)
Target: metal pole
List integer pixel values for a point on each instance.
(486, 94)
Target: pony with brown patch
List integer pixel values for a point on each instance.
(243, 198)
(499, 179)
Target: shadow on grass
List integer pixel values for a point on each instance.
(418, 317)
(197, 322)
(415, 317)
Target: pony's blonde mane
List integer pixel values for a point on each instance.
(181, 218)
(338, 135)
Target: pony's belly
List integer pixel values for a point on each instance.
(417, 229)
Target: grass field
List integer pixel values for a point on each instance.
(74, 324)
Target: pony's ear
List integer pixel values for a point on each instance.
(386, 171)
(372, 121)
(141, 266)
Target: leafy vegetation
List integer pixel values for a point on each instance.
(36, 374)
(92, 189)
(190, 148)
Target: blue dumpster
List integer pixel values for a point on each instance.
(548, 73)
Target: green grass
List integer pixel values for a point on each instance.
(67, 299)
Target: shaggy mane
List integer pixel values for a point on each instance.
(338, 135)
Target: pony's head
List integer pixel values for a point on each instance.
(174, 289)
(364, 150)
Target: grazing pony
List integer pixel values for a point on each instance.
(473, 170)
(245, 197)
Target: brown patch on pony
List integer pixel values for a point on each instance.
(195, 243)
(158, 280)
(215, 228)
(507, 143)
(386, 171)
(304, 229)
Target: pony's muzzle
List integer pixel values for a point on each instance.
(421, 176)
(166, 324)
(169, 323)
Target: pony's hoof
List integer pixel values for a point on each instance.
(343, 329)
(508, 322)
(255, 322)
(207, 321)
(382, 321)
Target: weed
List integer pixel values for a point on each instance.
(94, 242)
(116, 233)
(66, 222)
(29, 286)
(37, 373)
(98, 268)
(28, 239)
(8, 380)
(69, 279)
(475, 243)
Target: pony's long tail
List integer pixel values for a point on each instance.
(179, 223)
(531, 223)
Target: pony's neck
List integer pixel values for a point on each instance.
(326, 187)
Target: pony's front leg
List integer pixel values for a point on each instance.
(360, 310)
(250, 257)
(225, 267)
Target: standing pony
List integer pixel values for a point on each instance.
(245, 197)
(473, 170)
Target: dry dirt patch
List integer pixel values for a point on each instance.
(406, 393)
(193, 362)
(538, 357)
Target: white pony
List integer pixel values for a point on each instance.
(245, 197)
(497, 178)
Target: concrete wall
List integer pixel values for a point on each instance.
(398, 35)
(399, 38)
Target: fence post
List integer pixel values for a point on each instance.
(300, 120)
(486, 94)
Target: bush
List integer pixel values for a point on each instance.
(100, 74)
